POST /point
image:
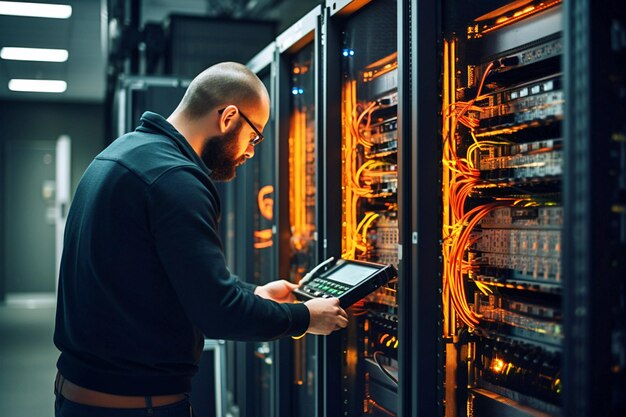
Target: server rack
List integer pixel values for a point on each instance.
(298, 196)
(253, 368)
(530, 180)
(502, 159)
(363, 182)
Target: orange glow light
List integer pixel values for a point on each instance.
(300, 229)
(266, 203)
(263, 238)
(497, 365)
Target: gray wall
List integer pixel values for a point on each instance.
(31, 120)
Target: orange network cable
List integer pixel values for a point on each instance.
(356, 178)
(366, 226)
(459, 179)
(455, 112)
(456, 265)
(352, 189)
(366, 167)
(359, 119)
(358, 309)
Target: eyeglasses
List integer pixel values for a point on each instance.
(259, 136)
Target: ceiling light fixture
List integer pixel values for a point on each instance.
(34, 54)
(53, 11)
(38, 86)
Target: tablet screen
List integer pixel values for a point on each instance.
(351, 274)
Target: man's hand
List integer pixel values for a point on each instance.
(326, 316)
(280, 291)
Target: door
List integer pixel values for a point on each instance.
(30, 189)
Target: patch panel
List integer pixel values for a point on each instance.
(524, 217)
(519, 244)
(384, 138)
(535, 101)
(384, 185)
(493, 103)
(520, 161)
(495, 267)
(542, 243)
(521, 167)
(516, 318)
(383, 239)
(381, 150)
(526, 111)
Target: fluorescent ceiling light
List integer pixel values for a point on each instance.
(34, 54)
(54, 11)
(38, 86)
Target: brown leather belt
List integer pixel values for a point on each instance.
(85, 396)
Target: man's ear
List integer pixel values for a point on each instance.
(227, 118)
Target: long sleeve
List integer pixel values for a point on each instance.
(182, 217)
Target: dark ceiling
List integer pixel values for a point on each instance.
(81, 35)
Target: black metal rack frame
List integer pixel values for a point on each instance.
(303, 33)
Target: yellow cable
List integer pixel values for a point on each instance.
(367, 225)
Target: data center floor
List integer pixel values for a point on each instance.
(27, 357)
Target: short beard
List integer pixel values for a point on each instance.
(220, 155)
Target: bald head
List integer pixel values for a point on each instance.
(220, 85)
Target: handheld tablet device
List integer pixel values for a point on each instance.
(344, 279)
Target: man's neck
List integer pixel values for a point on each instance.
(188, 129)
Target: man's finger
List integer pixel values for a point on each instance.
(343, 313)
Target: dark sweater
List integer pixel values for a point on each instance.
(143, 278)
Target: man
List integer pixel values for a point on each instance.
(143, 278)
